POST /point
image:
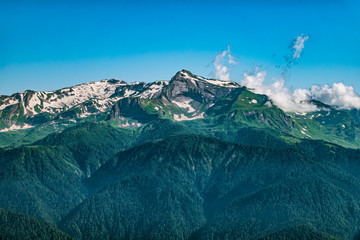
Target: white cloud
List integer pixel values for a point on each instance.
(298, 45)
(339, 95)
(222, 64)
(280, 95)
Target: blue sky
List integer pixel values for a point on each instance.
(47, 46)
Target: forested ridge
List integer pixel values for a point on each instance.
(96, 181)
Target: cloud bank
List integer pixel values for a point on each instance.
(337, 95)
(222, 63)
(280, 95)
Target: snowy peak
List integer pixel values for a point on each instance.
(185, 75)
(186, 84)
(188, 93)
(20, 109)
(151, 90)
(64, 98)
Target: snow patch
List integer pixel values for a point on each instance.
(16, 127)
(185, 104)
(10, 101)
(182, 117)
(305, 134)
(128, 92)
(152, 89)
(222, 83)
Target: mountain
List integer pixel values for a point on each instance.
(189, 158)
(186, 97)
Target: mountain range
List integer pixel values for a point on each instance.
(188, 158)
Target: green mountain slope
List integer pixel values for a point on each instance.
(91, 144)
(197, 187)
(47, 179)
(336, 126)
(40, 181)
(15, 226)
(201, 180)
(303, 232)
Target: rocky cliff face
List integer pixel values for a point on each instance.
(186, 85)
(30, 108)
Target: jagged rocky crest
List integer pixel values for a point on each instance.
(185, 97)
(30, 108)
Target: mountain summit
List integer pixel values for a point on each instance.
(186, 97)
(30, 108)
